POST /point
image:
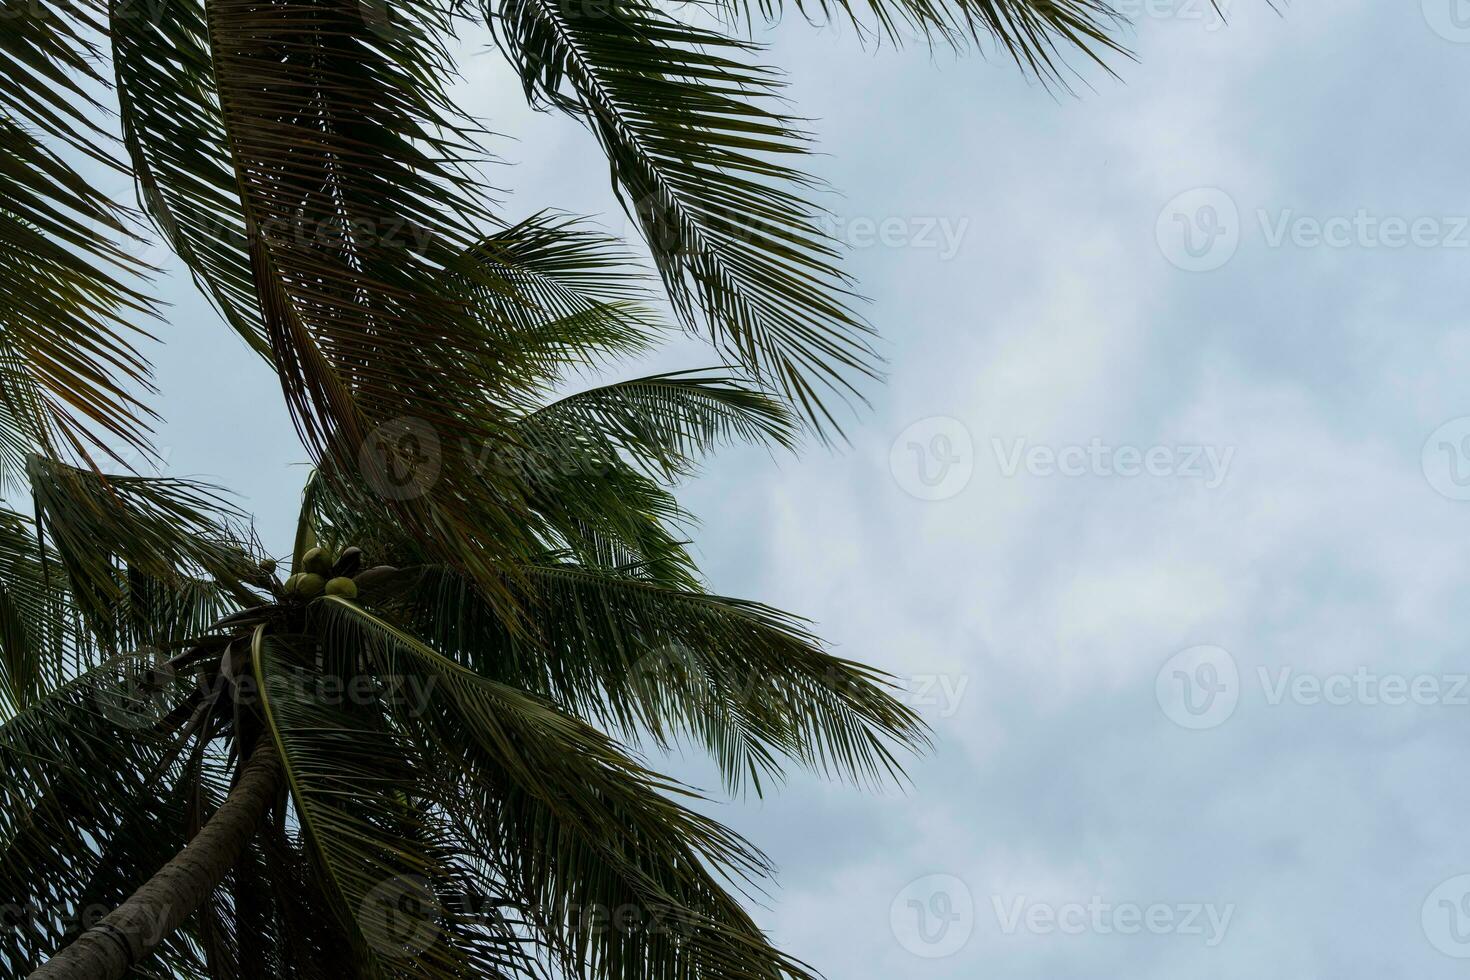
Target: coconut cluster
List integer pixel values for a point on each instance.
(323, 575)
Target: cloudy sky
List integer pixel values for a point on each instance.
(1161, 514)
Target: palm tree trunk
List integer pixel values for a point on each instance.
(108, 949)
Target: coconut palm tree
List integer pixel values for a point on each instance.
(212, 768)
(408, 756)
(370, 764)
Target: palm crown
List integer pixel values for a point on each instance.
(407, 758)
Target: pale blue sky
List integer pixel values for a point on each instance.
(1294, 512)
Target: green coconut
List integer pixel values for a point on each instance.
(309, 585)
(292, 582)
(316, 560)
(342, 586)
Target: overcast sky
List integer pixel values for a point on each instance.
(1159, 514)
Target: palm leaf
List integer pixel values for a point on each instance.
(68, 364)
(575, 825)
(745, 682)
(144, 553)
(67, 359)
(48, 74)
(353, 170)
(353, 782)
(564, 295)
(42, 639)
(1036, 34)
(696, 155)
(89, 809)
(665, 421)
(597, 510)
(175, 139)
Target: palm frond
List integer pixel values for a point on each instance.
(1037, 34)
(580, 497)
(48, 75)
(89, 808)
(591, 506)
(353, 175)
(175, 139)
(277, 921)
(697, 157)
(143, 553)
(43, 642)
(564, 295)
(749, 683)
(744, 682)
(665, 421)
(357, 787)
(68, 365)
(575, 825)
